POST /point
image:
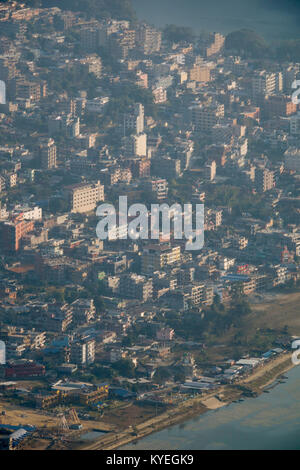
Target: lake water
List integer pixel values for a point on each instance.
(274, 19)
(270, 421)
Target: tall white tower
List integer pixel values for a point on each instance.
(2, 353)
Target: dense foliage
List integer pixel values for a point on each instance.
(247, 43)
(175, 33)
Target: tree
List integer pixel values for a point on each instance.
(58, 205)
(124, 367)
(247, 43)
(175, 33)
(127, 341)
(161, 375)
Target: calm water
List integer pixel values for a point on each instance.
(271, 421)
(274, 19)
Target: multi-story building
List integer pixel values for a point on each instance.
(23, 368)
(58, 319)
(295, 124)
(200, 73)
(264, 179)
(134, 120)
(136, 287)
(165, 334)
(136, 145)
(142, 79)
(120, 44)
(210, 170)
(84, 310)
(91, 64)
(83, 351)
(33, 91)
(159, 95)
(290, 74)
(205, 117)
(212, 44)
(266, 83)
(13, 231)
(198, 294)
(279, 105)
(84, 197)
(292, 159)
(156, 257)
(8, 69)
(158, 187)
(148, 39)
(166, 167)
(140, 168)
(48, 152)
(89, 38)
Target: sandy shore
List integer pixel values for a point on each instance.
(262, 376)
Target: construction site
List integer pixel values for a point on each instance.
(72, 416)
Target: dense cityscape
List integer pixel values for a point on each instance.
(103, 341)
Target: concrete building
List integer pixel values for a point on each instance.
(292, 159)
(200, 73)
(264, 179)
(136, 145)
(148, 39)
(2, 353)
(158, 187)
(48, 153)
(210, 170)
(12, 233)
(92, 64)
(134, 120)
(279, 105)
(156, 257)
(205, 117)
(266, 83)
(84, 197)
(136, 287)
(83, 352)
(84, 310)
(159, 95)
(295, 124)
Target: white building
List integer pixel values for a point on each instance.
(137, 145)
(2, 353)
(134, 120)
(34, 213)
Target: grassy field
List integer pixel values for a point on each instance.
(277, 311)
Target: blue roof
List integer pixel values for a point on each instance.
(28, 428)
(268, 354)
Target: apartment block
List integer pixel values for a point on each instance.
(84, 197)
(48, 153)
(156, 257)
(205, 117)
(148, 39)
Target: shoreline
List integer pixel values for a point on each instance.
(251, 386)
